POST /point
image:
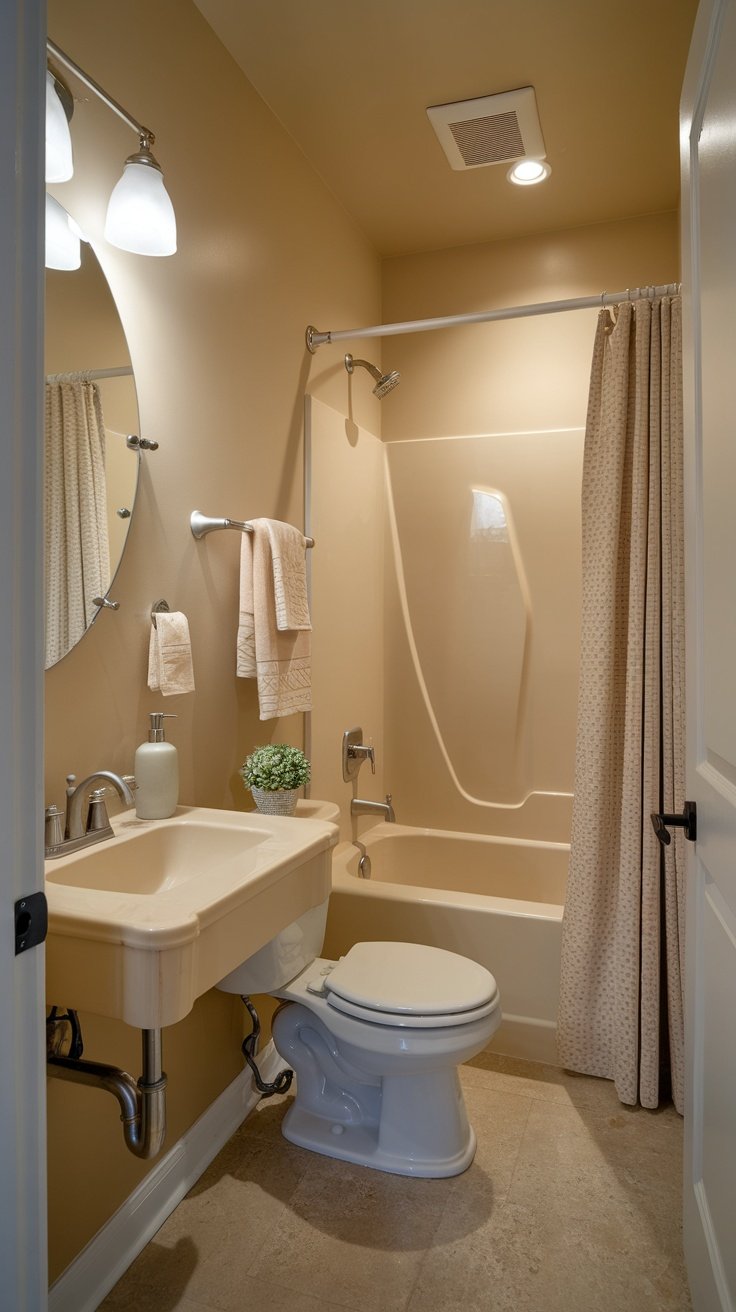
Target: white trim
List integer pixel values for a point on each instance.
(103, 1261)
(22, 1021)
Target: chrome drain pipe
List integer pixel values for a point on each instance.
(142, 1103)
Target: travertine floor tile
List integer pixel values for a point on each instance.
(532, 1260)
(582, 1159)
(572, 1204)
(549, 1083)
(355, 1236)
(226, 1217)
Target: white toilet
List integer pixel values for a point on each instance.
(375, 1040)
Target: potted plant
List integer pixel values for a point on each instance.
(275, 773)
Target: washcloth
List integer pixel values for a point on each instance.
(280, 660)
(170, 667)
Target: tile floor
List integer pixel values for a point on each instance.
(571, 1205)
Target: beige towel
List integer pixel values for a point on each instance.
(289, 555)
(280, 660)
(170, 655)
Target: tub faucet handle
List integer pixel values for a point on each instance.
(355, 752)
(364, 752)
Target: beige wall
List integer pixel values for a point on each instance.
(514, 375)
(348, 519)
(524, 382)
(216, 335)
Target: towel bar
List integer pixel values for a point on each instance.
(202, 524)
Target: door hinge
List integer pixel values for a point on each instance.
(31, 921)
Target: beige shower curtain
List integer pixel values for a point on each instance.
(621, 1006)
(77, 553)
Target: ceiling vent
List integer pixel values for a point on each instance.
(489, 130)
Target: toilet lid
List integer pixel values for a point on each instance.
(410, 979)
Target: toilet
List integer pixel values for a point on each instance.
(375, 1040)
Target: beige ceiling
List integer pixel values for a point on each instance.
(350, 81)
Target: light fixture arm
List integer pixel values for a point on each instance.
(145, 135)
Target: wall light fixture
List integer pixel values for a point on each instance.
(63, 250)
(140, 215)
(59, 108)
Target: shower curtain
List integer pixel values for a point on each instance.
(621, 1003)
(75, 514)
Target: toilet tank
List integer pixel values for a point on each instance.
(283, 957)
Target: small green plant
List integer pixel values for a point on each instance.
(275, 766)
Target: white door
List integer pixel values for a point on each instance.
(708, 144)
(22, 1058)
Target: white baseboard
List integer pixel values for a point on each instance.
(102, 1262)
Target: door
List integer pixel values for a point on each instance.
(22, 1066)
(708, 145)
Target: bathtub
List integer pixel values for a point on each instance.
(497, 900)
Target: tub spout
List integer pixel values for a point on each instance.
(360, 806)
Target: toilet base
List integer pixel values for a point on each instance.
(359, 1144)
(399, 1108)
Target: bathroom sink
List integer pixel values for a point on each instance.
(143, 923)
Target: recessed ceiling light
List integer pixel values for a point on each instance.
(527, 172)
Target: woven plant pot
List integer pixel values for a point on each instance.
(277, 801)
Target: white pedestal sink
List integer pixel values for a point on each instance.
(142, 924)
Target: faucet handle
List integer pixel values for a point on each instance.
(53, 827)
(364, 752)
(97, 817)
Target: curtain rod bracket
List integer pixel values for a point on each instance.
(315, 338)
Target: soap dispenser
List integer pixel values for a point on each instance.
(156, 772)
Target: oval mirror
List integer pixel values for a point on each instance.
(91, 473)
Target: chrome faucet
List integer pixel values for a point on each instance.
(97, 825)
(360, 806)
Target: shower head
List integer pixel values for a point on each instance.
(384, 382)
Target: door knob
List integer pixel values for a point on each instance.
(687, 821)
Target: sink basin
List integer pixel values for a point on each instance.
(143, 923)
(156, 860)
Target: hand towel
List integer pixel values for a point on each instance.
(289, 558)
(170, 667)
(280, 660)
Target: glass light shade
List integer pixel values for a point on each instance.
(62, 246)
(59, 163)
(140, 216)
(527, 172)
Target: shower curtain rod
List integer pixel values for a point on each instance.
(315, 338)
(92, 375)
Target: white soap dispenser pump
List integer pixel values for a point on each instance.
(156, 772)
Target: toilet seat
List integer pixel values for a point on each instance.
(410, 985)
